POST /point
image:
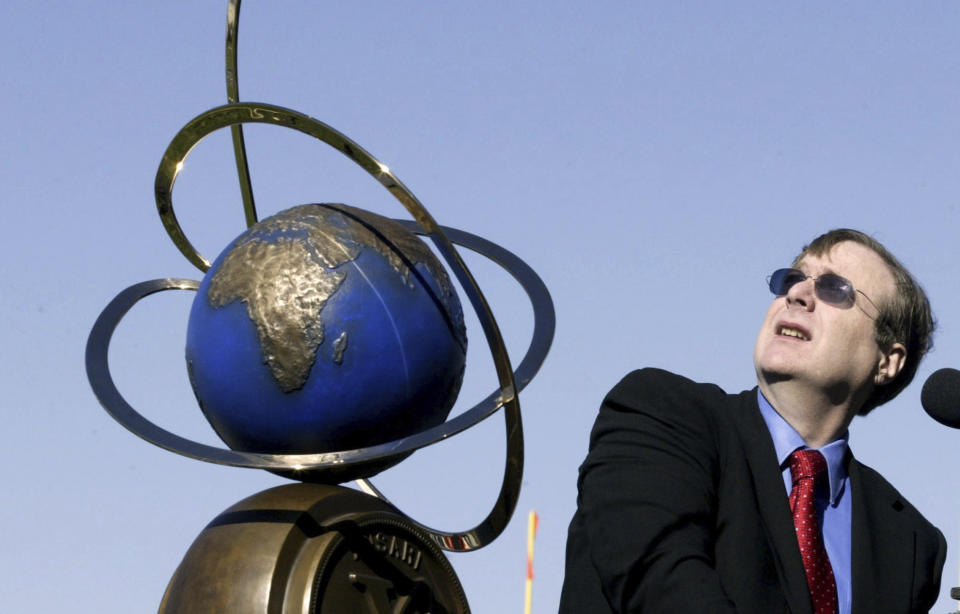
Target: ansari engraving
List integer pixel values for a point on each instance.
(396, 547)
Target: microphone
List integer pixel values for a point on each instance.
(940, 397)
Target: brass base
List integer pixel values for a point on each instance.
(313, 549)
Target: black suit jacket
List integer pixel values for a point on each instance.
(682, 508)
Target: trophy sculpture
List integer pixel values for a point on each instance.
(325, 344)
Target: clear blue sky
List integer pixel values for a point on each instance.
(652, 161)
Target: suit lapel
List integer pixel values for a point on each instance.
(772, 502)
(883, 547)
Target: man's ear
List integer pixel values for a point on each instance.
(890, 364)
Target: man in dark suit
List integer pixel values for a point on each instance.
(693, 500)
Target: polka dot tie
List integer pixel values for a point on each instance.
(806, 467)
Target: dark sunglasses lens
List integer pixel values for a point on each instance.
(834, 289)
(783, 279)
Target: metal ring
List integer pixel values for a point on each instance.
(240, 113)
(544, 325)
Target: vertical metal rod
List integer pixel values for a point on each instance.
(236, 131)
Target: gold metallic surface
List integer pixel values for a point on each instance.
(312, 549)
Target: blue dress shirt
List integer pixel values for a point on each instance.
(833, 506)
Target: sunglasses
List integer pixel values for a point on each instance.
(829, 288)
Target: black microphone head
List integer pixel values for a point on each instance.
(940, 397)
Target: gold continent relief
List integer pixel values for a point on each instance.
(285, 270)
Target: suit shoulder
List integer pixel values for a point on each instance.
(876, 483)
(652, 385)
(653, 396)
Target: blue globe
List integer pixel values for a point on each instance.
(322, 328)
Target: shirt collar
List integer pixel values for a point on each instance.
(786, 439)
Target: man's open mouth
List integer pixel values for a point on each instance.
(789, 331)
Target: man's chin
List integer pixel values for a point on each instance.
(776, 377)
(770, 375)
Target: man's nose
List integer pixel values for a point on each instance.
(802, 294)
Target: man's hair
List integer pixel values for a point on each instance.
(906, 318)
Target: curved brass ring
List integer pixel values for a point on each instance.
(544, 325)
(254, 112)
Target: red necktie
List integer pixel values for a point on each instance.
(806, 466)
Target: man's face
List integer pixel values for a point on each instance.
(827, 347)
